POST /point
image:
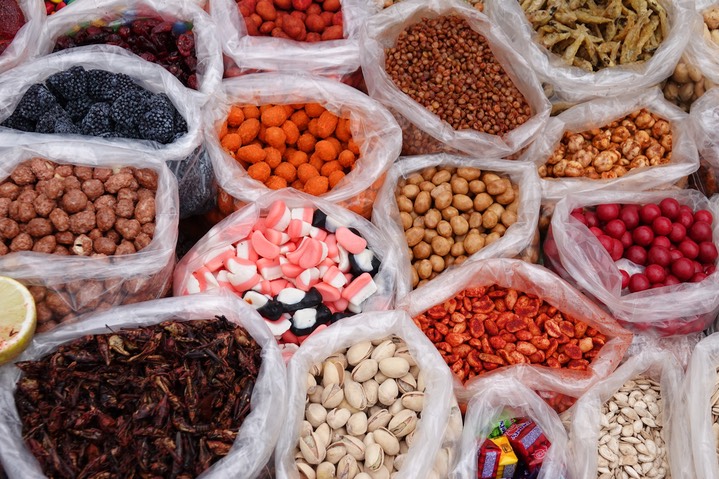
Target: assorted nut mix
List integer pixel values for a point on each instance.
(594, 36)
(448, 68)
(630, 439)
(482, 329)
(634, 141)
(686, 85)
(304, 146)
(47, 207)
(301, 20)
(363, 407)
(451, 213)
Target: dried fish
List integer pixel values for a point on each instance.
(597, 34)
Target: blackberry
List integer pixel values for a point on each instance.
(128, 132)
(70, 84)
(128, 109)
(96, 80)
(180, 124)
(97, 120)
(16, 122)
(77, 109)
(157, 125)
(35, 102)
(111, 86)
(65, 126)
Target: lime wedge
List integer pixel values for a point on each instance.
(17, 319)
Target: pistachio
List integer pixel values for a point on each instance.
(314, 393)
(413, 400)
(403, 352)
(311, 449)
(359, 352)
(335, 452)
(363, 475)
(338, 434)
(407, 383)
(311, 381)
(306, 471)
(379, 419)
(374, 457)
(306, 429)
(399, 460)
(394, 367)
(387, 392)
(381, 473)
(385, 349)
(388, 441)
(420, 382)
(332, 396)
(326, 470)
(347, 468)
(325, 434)
(396, 407)
(355, 396)
(365, 370)
(368, 439)
(333, 373)
(354, 446)
(338, 417)
(371, 390)
(403, 423)
(339, 358)
(316, 414)
(380, 378)
(357, 424)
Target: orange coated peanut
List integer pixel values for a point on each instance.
(303, 146)
(482, 329)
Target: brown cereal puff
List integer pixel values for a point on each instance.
(326, 150)
(251, 153)
(296, 158)
(292, 132)
(301, 119)
(286, 171)
(343, 132)
(353, 147)
(231, 142)
(326, 124)
(316, 161)
(335, 177)
(317, 186)
(251, 111)
(235, 117)
(275, 137)
(276, 183)
(306, 143)
(314, 110)
(329, 167)
(223, 131)
(298, 185)
(346, 159)
(306, 171)
(274, 116)
(312, 128)
(260, 171)
(248, 131)
(274, 157)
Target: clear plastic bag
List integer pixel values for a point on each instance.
(373, 129)
(207, 46)
(599, 113)
(699, 385)
(705, 118)
(72, 285)
(438, 394)
(701, 51)
(576, 254)
(21, 47)
(575, 84)
(517, 237)
(538, 281)
(14, 84)
(259, 432)
(382, 31)
(490, 397)
(585, 428)
(238, 225)
(196, 182)
(269, 54)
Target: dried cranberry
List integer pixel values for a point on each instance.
(186, 44)
(163, 27)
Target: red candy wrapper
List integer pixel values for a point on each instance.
(528, 442)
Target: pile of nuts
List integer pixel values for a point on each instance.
(482, 329)
(303, 146)
(715, 412)
(478, 4)
(637, 140)
(630, 439)
(76, 210)
(363, 407)
(451, 213)
(686, 85)
(448, 68)
(711, 23)
(301, 20)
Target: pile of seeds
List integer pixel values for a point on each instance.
(161, 401)
(450, 69)
(630, 440)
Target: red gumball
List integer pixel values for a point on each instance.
(698, 277)
(629, 214)
(617, 250)
(670, 280)
(596, 231)
(643, 235)
(686, 218)
(683, 269)
(607, 212)
(662, 226)
(670, 208)
(689, 249)
(707, 252)
(626, 239)
(701, 231)
(704, 215)
(678, 233)
(615, 228)
(659, 255)
(648, 213)
(638, 282)
(655, 273)
(636, 254)
(661, 241)
(579, 217)
(592, 219)
(625, 278)
(607, 242)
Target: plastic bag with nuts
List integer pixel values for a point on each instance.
(372, 127)
(20, 49)
(702, 403)
(632, 423)
(470, 339)
(491, 396)
(703, 46)
(416, 426)
(382, 32)
(705, 118)
(576, 254)
(584, 149)
(263, 53)
(577, 84)
(451, 209)
(207, 47)
(256, 438)
(105, 232)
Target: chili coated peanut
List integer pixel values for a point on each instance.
(640, 139)
(482, 329)
(451, 213)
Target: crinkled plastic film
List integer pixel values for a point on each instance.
(20, 48)
(257, 436)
